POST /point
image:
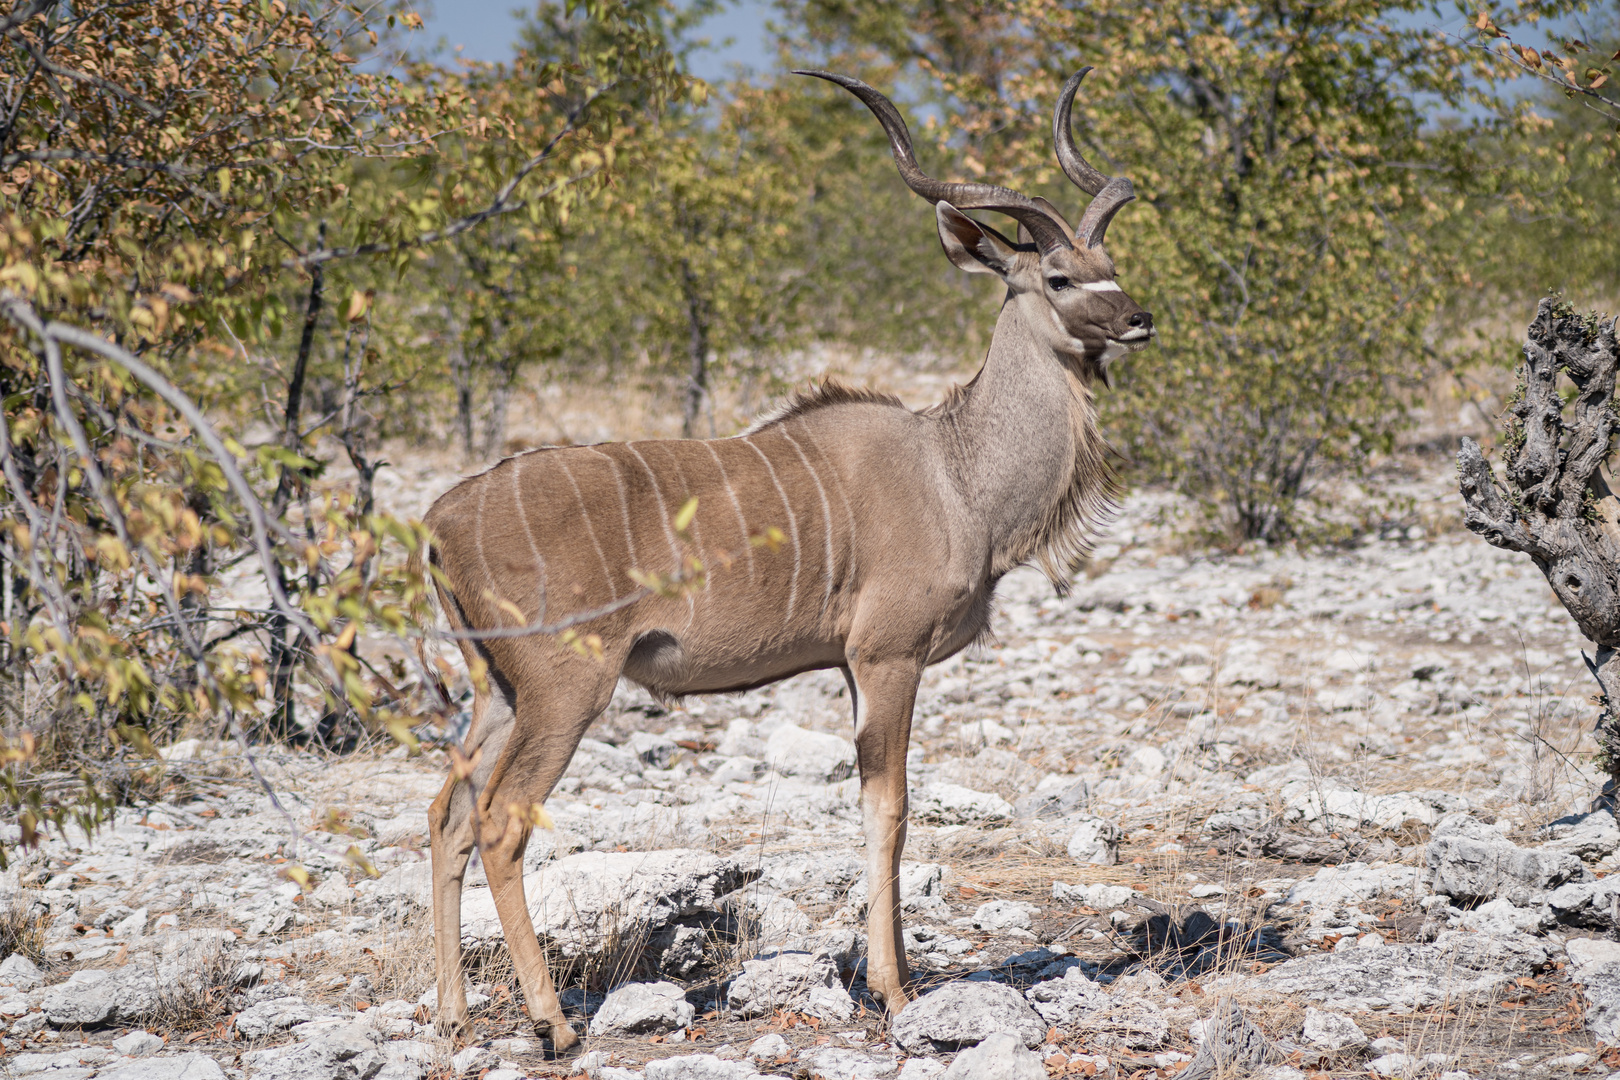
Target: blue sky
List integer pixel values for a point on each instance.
(485, 30)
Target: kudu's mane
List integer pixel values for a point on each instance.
(1087, 504)
(829, 392)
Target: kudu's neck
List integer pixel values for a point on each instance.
(1030, 460)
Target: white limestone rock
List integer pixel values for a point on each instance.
(782, 981)
(951, 804)
(643, 1008)
(963, 1014)
(811, 755)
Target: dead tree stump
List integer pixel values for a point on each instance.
(1556, 505)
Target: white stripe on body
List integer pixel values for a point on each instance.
(843, 496)
(742, 524)
(826, 516)
(624, 504)
(669, 531)
(478, 538)
(793, 528)
(523, 516)
(663, 507)
(697, 539)
(601, 556)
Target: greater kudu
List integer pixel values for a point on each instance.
(897, 525)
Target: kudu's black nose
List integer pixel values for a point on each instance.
(1142, 320)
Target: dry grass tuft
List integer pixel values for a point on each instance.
(196, 994)
(22, 929)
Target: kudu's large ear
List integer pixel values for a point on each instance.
(976, 248)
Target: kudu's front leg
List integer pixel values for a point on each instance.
(884, 694)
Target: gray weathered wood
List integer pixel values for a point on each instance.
(1554, 503)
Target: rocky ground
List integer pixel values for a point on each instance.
(1285, 814)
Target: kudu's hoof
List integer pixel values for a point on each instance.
(565, 1040)
(894, 1001)
(450, 1027)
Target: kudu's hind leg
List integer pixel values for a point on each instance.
(545, 738)
(884, 694)
(450, 830)
(453, 833)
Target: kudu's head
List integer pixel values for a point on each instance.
(1062, 280)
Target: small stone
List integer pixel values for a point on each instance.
(813, 755)
(1062, 1001)
(831, 1003)
(408, 1059)
(1332, 1031)
(1005, 915)
(1101, 897)
(769, 1048)
(922, 1068)
(345, 1051)
(1470, 861)
(642, 1008)
(1404, 1065)
(1593, 905)
(1095, 840)
(999, 1057)
(185, 1067)
(963, 1014)
(698, 1067)
(654, 751)
(93, 998)
(1129, 1022)
(782, 981)
(950, 804)
(836, 1063)
(138, 1044)
(1587, 953)
(472, 1060)
(334, 892)
(19, 971)
(269, 1017)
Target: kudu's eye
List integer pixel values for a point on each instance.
(1057, 283)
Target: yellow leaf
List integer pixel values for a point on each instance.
(138, 738)
(532, 814)
(294, 872)
(684, 516)
(359, 302)
(357, 858)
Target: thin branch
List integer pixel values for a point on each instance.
(503, 203)
(15, 306)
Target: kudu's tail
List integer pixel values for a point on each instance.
(419, 568)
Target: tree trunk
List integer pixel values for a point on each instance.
(1555, 505)
(697, 345)
(283, 723)
(503, 379)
